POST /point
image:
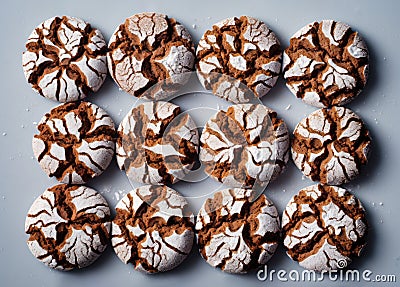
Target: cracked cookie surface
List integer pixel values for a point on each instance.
(246, 146)
(324, 227)
(153, 229)
(157, 144)
(68, 226)
(331, 145)
(237, 232)
(149, 48)
(326, 64)
(243, 48)
(75, 142)
(65, 59)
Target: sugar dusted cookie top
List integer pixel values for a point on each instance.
(331, 145)
(153, 229)
(236, 231)
(157, 144)
(326, 64)
(68, 226)
(75, 142)
(65, 59)
(149, 48)
(243, 48)
(245, 146)
(324, 227)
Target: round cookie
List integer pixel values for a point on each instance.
(324, 227)
(149, 48)
(68, 226)
(243, 48)
(75, 142)
(153, 229)
(331, 145)
(246, 146)
(65, 59)
(326, 64)
(157, 144)
(237, 232)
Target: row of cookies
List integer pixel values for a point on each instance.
(69, 226)
(325, 64)
(156, 143)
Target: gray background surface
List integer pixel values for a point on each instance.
(22, 180)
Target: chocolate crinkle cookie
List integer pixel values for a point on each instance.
(75, 143)
(241, 48)
(324, 227)
(331, 145)
(65, 59)
(148, 49)
(237, 231)
(245, 146)
(326, 64)
(153, 229)
(68, 226)
(157, 143)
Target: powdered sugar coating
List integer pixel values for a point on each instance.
(324, 227)
(243, 48)
(156, 143)
(150, 51)
(75, 142)
(65, 59)
(245, 146)
(236, 231)
(330, 146)
(153, 229)
(326, 64)
(68, 226)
